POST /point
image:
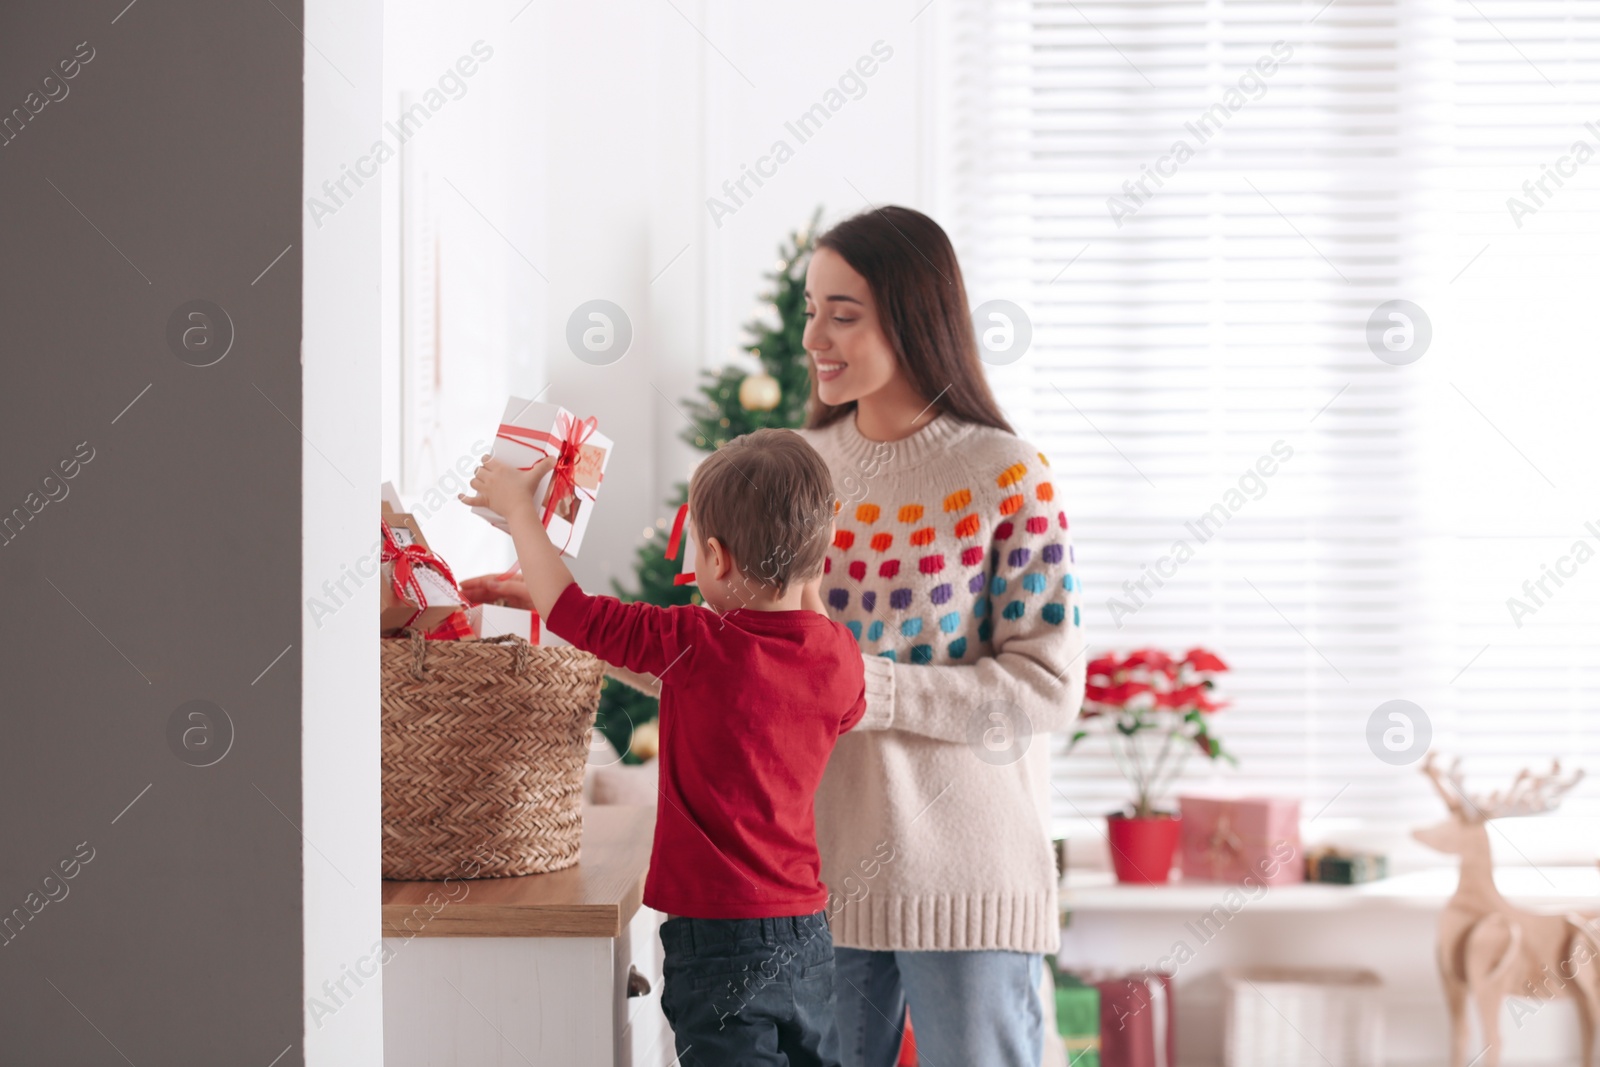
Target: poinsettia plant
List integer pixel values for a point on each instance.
(1154, 711)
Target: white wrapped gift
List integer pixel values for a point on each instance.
(530, 431)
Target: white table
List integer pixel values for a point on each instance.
(531, 970)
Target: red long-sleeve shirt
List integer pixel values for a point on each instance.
(751, 704)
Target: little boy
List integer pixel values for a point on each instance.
(755, 689)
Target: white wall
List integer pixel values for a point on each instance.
(339, 419)
(593, 140)
(463, 250)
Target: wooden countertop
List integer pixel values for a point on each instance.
(594, 898)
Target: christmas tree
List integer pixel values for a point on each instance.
(732, 401)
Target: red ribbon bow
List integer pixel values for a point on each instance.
(403, 577)
(567, 443)
(675, 541)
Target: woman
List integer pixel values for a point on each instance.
(951, 565)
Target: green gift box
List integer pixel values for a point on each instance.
(1351, 868)
(1078, 1020)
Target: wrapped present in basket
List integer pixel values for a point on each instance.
(1232, 840)
(530, 432)
(484, 745)
(417, 588)
(495, 620)
(499, 618)
(454, 628)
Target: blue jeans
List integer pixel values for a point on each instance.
(750, 991)
(968, 1008)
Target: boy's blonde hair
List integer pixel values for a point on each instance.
(768, 498)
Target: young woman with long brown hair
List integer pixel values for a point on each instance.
(952, 566)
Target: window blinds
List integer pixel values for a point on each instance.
(1198, 206)
(1521, 486)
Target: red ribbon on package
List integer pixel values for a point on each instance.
(571, 435)
(403, 576)
(454, 628)
(675, 541)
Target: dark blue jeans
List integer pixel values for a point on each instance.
(750, 991)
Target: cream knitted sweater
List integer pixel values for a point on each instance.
(952, 566)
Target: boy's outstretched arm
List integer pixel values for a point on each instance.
(510, 491)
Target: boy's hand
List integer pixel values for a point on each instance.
(503, 488)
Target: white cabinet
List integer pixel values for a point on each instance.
(531, 972)
(646, 1040)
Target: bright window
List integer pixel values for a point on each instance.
(1199, 206)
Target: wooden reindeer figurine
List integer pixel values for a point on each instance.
(1489, 949)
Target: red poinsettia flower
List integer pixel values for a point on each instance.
(1153, 658)
(1202, 660)
(1184, 697)
(1117, 695)
(1103, 666)
(1149, 693)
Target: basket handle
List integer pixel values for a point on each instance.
(419, 651)
(523, 651)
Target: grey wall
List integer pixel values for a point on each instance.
(169, 570)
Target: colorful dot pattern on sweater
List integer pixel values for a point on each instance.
(939, 648)
(895, 569)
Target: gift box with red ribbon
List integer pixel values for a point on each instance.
(418, 590)
(531, 431)
(497, 620)
(1245, 840)
(454, 628)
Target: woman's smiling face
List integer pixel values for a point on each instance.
(851, 356)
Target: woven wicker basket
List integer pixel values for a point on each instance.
(484, 746)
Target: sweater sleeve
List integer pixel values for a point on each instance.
(641, 638)
(1029, 616)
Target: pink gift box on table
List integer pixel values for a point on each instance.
(1234, 839)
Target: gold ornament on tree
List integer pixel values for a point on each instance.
(759, 392)
(646, 741)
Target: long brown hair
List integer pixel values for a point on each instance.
(911, 268)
